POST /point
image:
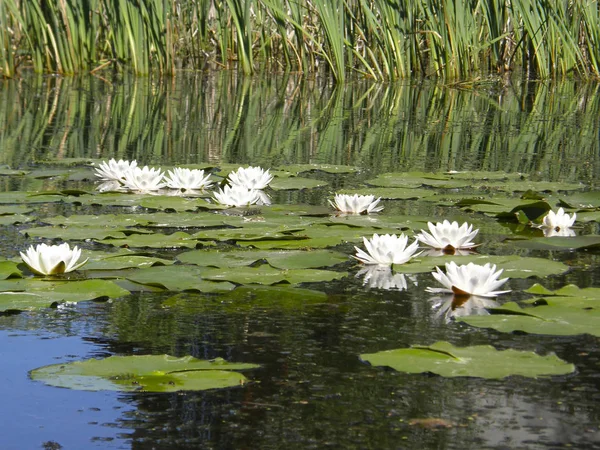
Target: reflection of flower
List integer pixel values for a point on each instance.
(565, 232)
(450, 306)
(386, 250)
(263, 198)
(440, 252)
(108, 186)
(469, 279)
(115, 170)
(144, 180)
(448, 236)
(356, 204)
(379, 277)
(250, 178)
(52, 259)
(558, 221)
(236, 196)
(187, 179)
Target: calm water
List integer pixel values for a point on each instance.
(311, 391)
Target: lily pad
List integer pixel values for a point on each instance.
(178, 278)
(329, 168)
(118, 262)
(296, 183)
(483, 361)
(570, 295)
(546, 319)
(15, 209)
(178, 239)
(514, 266)
(14, 219)
(32, 293)
(560, 243)
(148, 373)
(268, 275)
(392, 193)
(9, 269)
(173, 203)
(75, 233)
(294, 259)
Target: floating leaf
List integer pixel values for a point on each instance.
(178, 239)
(392, 193)
(15, 209)
(295, 183)
(329, 168)
(514, 266)
(570, 295)
(32, 293)
(118, 262)
(560, 243)
(268, 275)
(76, 233)
(148, 373)
(177, 278)
(484, 361)
(9, 269)
(546, 319)
(294, 259)
(174, 203)
(14, 219)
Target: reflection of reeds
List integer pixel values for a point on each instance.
(528, 127)
(380, 39)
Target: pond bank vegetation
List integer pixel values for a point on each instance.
(378, 39)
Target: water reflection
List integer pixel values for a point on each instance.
(519, 127)
(451, 306)
(381, 277)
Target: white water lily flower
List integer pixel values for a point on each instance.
(115, 170)
(52, 259)
(236, 196)
(250, 178)
(450, 306)
(559, 220)
(386, 250)
(380, 277)
(356, 204)
(144, 180)
(187, 179)
(448, 236)
(469, 279)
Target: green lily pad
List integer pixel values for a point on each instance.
(392, 193)
(12, 172)
(14, 219)
(483, 361)
(514, 266)
(20, 197)
(178, 239)
(581, 201)
(9, 269)
(415, 179)
(174, 203)
(570, 295)
(178, 278)
(296, 183)
(557, 320)
(329, 168)
(268, 275)
(560, 243)
(294, 259)
(32, 293)
(505, 208)
(118, 262)
(75, 233)
(15, 209)
(147, 373)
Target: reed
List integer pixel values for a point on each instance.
(378, 39)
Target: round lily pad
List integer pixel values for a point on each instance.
(147, 373)
(484, 361)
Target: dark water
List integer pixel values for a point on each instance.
(311, 390)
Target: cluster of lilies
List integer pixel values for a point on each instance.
(469, 287)
(244, 186)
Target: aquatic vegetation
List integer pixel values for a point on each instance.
(448, 237)
(386, 250)
(558, 221)
(251, 178)
(469, 279)
(144, 180)
(482, 361)
(52, 259)
(356, 204)
(187, 179)
(114, 170)
(236, 196)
